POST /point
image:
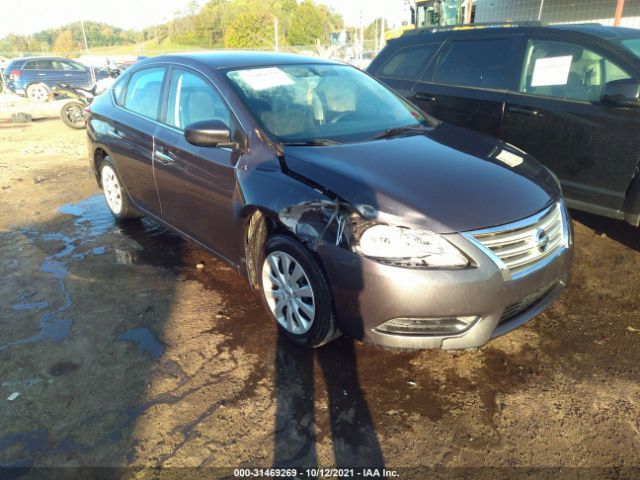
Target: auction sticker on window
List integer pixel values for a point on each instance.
(551, 71)
(263, 78)
(509, 158)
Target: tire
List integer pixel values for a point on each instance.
(72, 114)
(115, 195)
(304, 309)
(38, 92)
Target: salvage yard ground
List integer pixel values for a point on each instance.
(116, 350)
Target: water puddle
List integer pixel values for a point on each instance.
(144, 340)
(92, 220)
(30, 306)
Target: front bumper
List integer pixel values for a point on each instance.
(368, 293)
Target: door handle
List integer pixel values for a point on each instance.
(425, 97)
(524, 111)
(164, 158)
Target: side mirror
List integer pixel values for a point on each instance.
(209, 133)
(622, 93)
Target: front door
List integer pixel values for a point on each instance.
(195, 184)
(556, 115)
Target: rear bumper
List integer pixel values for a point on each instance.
(12, 87)
(367, 294)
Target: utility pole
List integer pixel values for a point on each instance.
(619, 10)
(540, 11)
(275, 30)
(375, 35)
(84, 36)
(468, 11)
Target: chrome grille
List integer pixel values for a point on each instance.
(522, 245)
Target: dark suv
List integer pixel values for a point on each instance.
(566, 94)
(33, 77)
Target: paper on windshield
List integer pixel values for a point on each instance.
(509, 158)
(263, 78)
(551, 71)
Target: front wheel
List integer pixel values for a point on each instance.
(114, 194)
(296, 292)
(72, 114)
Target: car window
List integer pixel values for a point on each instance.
(143, 92)
(192, 99)
(409, 62)
(118, 90)
(38, 65)
(478, 63)
(567, 70)
(68, 66)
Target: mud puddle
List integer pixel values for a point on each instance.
(341, 394)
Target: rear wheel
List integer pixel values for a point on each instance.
(296, 292)
(72, 114)
(114, 194)
(38, 92)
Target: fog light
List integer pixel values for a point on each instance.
(427, 326)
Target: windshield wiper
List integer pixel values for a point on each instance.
(394, 132)
(316, 142)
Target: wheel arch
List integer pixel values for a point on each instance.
(632, 201)
(259, 225)
(99, 154)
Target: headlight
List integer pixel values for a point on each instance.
(410, 247)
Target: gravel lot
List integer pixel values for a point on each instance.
(116, 350)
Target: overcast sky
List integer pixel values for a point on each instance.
(30, 16)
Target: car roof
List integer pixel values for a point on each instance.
(594, 29)
(39, 57)
(238, 58)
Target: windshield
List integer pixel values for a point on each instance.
(632, 44)
(334, 103)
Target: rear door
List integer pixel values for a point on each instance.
(467, 84)
(196, 184)
(40, 71)
(131, 130)
(556, 115)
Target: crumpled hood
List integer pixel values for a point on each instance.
(448, 180)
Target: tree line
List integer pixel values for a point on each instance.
(217, 24)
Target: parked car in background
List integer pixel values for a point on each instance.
(567, 94)
(34, 77)
(349, 209)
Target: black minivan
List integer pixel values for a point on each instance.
(567, 94)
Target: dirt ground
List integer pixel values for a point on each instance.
(125, 354)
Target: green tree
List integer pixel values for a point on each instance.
(312, 22)
(250, 28)
(64, 44)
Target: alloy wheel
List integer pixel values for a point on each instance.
(112, 189)
(38, 93)
(288, 292)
